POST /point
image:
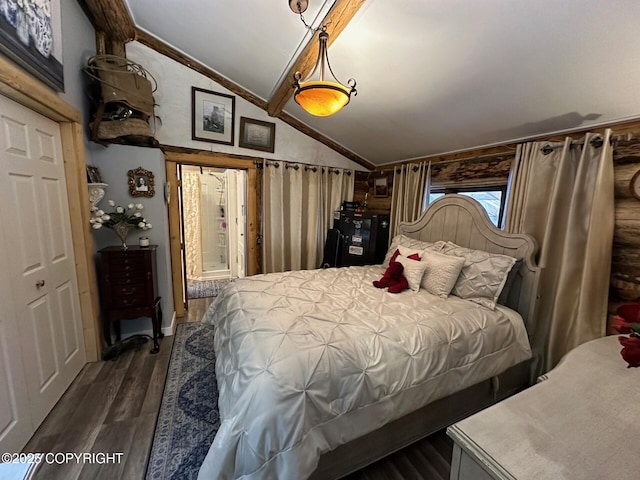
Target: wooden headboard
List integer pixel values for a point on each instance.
(463, 221)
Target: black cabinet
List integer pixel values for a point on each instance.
(365, 238)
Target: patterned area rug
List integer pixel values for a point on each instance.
(188, 418)
(208, 288)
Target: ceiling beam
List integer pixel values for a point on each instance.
(111, 17)
(336, 20)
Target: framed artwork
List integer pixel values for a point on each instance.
(257, 135)
(93, 174)
(213, 116)
(31, 36)
(141, 183)
(381, 187)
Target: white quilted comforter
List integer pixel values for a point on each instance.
(309, 360)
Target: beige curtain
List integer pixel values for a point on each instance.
(192, 226)
(337, 186)
(298, 209)
(411, 183)
(562, 194)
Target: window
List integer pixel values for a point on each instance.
(491, 197)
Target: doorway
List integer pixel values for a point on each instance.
(214, 222)
(240, 195)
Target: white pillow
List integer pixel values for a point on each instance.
(413, 271)
(483, 275)
(442, 272)
(410, 243)
(406, 251)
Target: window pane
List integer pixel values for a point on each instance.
(433, 196)
(490, 200)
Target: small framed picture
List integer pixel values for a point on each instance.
(257, 135)
(94, 175)
(141, 183)
(381, 187)
(213, 116)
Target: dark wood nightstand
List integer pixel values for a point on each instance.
(129, 289)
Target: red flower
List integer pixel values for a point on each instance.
(620, 326)
(627, 319)
(630, 350)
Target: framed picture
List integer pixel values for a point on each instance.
(31, 36)
(93, 174)
(257, 135)
(381, 187)
(141, 182)
(213, 116)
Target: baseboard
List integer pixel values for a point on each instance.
(167, 331)
(171, 329)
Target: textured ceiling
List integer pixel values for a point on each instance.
(434, 76)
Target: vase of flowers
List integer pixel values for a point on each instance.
(121, 220)
(627, 321)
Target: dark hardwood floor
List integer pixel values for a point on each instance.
(111, 407)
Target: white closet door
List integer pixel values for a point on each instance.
(16, 426)
(41, 266)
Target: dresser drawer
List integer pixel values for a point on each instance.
(126, 263)
(128, 278)
(128, 295)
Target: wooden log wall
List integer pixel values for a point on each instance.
(625, 266)
(469, 172)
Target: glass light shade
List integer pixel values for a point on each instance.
(322, 98)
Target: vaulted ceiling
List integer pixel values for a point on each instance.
(433, 76)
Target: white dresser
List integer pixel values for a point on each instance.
(582, 422)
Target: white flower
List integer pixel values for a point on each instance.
(130, 206)
(137, 214)
(119, 210)
(94, 208)
(112, 203)
(141, 225)
(96, 226)
(99, 213)
(106, 217)
(92, 220)
(139, 206)
(149, 225)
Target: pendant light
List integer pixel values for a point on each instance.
(316, 94)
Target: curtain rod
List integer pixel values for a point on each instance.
(307, 167)
(511, 145)
(595, 142)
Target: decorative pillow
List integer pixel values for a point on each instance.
(410, 243)
(412, 253)
(413, 271)
(442, 272)
(408, 254)
(483, 274)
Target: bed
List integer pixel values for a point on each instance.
(320, 373)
